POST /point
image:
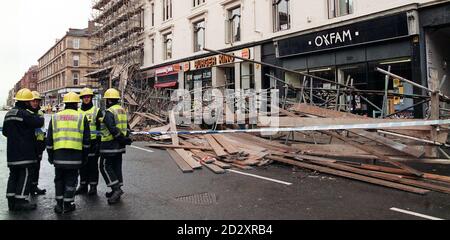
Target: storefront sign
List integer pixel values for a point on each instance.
(379, 29)
(168, 70)
(219, 59)
(186, 66)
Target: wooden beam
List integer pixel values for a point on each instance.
(408, 150)
(185, 168)
(305, 121)
(214, 168)
(351, 175)
(187, 157)
(222, 140)
(220, 152)
(376, 153)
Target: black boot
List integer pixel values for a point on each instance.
(92, 190)
(109, 194)
(11, 203)
(69, 207)
(35, 190)
(24, 205)
(82, 189)
(59, 208)
(115, 197)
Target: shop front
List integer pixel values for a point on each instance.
(167, 77)
(349, 54)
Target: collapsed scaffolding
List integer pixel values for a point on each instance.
(119, 39)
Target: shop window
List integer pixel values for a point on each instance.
(199, 36)
(167, 39)
(247, 76)
(233, 25)
(281, 15)
(201, 78)
(338, 8)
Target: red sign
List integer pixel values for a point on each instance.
(245, 53)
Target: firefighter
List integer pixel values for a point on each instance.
(68, 143)
(89, 174)
(19, 129)
(115, 137)
(40, 145)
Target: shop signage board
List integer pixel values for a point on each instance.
(217, 60)
(383, 28)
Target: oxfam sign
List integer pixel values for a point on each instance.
(334, 38)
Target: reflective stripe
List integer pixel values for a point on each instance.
(67, 162)
(120, 120)
(74, 130)
(50, 148)
(93, 183)
(14, 119)
(68, 139)
(92, 154)
(59, 197)
(20, 197)
(21, 162)
(25, 182)
(70, 189)
(86, 146)
(104, 169)
(10, 194)
(69, 199)
(113, 183)
(112, 150)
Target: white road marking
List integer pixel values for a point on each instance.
(143, 149)
(264, 178)
(415, 214)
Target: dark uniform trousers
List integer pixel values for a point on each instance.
(35, 173)
(66, 181)
(19, 183)
(89, 173)
(111, 169)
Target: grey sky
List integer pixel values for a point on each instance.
(29, 28)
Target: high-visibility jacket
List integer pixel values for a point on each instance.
(121, 121)
(68, 128)
(91, 115)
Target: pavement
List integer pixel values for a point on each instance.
(155, 189)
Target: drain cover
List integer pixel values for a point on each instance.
(199, 199)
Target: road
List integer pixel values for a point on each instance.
(155, 189)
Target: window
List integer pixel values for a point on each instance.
(197, 2)
(76, 60)
(339, 8)
(167, 40)
(152, 41)
(76, 78)
(76, 43)
(247, 76)
(282, 17)
(233, 25)
(199, 36)
(152, 7)
(167, 10)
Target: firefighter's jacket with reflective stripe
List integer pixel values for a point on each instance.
(19, 128)
(94, 116)
(114, 130)
(68, 139)
(40, 135)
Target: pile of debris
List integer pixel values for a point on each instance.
(345, 153)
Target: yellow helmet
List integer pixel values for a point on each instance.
(36, 95)
(86, 92)
(112, 94)
(24, 95)
(71, 98)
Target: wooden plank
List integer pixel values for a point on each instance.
(214, 168)
(187, 157)
(222, 164)
(202, 156)
(135, 121)
(178, 146)
(220, 152)
(173, 127)
(351, 175)
(408, 150)
(185, 168)
(225, 144)
(385, 176)
(379, 155)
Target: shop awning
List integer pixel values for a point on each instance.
(166, 84)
